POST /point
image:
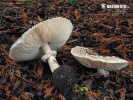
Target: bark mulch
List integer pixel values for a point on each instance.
(108, 31)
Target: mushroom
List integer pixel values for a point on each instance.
(42, 41)
(90, 59)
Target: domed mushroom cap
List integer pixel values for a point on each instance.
(55, 32)
(90, 59)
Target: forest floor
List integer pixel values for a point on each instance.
(108, 31)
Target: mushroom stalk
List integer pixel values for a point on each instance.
(53, 64)
(50, 56)
(46, 49)
(103, 72)
(63, 77)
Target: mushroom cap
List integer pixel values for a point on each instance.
(55, 32)
(90, 59)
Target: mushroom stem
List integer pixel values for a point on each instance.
(46, 49)
(103, 72)
(50, 56)
(53, 63)
(63, 77)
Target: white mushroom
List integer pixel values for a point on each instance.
(90, 59)
(42, 41)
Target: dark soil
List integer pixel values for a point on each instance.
(107, 31)
(64, 78)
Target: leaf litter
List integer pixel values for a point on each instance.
(109, 33)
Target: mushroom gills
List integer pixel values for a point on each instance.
(89, 58)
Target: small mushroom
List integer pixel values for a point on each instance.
(42, 41)
(90, 59)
